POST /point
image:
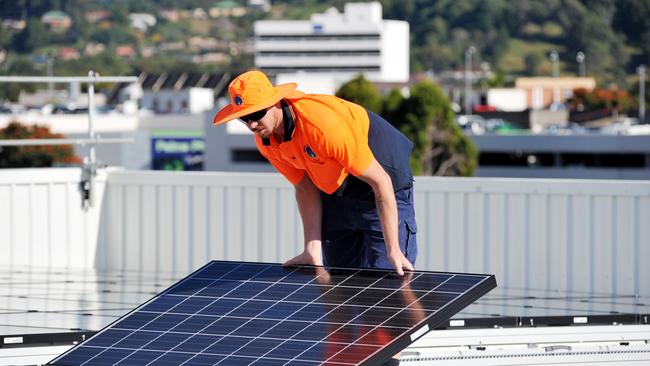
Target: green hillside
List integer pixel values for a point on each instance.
(513, 37)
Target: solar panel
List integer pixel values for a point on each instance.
(240, 313)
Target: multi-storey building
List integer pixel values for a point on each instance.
(340, 45)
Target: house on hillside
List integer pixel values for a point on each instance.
(96, 16)
(197, 43)
(67, 53)
(13, 24)
(199, 14)
(142, 21)
(261, 5)
(58, 21)
(94, 49)
(171, 15)
(125, 51)
(227, 8)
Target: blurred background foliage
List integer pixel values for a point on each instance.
(425, 116)
(513, 36)
(34, 156)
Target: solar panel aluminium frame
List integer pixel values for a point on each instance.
(433, 321)
(398, 344)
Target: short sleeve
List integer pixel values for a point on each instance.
(347, 143)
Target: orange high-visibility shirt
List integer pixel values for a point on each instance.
(329, 141)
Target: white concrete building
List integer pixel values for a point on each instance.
(183, 101)
(341, 45)
(507, 99)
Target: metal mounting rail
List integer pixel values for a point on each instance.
(68, 79)
(50, 142)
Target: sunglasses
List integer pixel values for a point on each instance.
(255, 116)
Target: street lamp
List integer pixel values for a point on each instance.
(555, 63)
(580, 58)
(49, 70)
(641, 71)
(468, 82)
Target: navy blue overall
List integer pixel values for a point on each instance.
(351, 230)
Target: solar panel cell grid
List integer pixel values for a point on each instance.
(232, 313)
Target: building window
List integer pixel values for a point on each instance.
(277, 37)
(321, 68)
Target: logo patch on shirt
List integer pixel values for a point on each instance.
(310, 152)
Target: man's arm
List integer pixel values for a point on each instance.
(311, 212)
(382, 187)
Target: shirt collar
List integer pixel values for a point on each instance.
(289, 124)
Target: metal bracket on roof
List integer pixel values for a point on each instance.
(559, 347)
(90, 167)
(159, 83)
(202, 81)
(178, 85)
(223, 82)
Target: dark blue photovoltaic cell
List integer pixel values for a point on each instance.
(277, 292)
(137, 339)
(167, 341)
(192, 324)
(163, 303)
(197, 343)
(221, 307)
(308, 293)
(285, 329)
(172, 359)
(218, 288)
(109, 338)
(141, 357)
(136, 320)
(435, 300)
(282, 310)
(236, 313)
(458, 284)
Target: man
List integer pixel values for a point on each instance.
(350, 169)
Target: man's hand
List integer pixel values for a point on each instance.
(311, 255)
(399, 261)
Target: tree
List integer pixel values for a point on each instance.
(426, 118)
(16, 66)
(34, 35)
(609, 99)
(440, 147)
(392, 104)
(33, 156)
(532, 62)
(359, 90)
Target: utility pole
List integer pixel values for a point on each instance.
(555, 64)
(580, 58)
(468, 81)
(49, 71)
(641, 71)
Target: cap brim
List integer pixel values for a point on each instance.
(228, 113)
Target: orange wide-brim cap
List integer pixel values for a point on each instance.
(231, 111)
